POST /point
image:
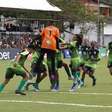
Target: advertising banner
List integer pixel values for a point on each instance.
(8, 53)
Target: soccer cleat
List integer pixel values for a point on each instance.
(35, 90)
(54, 90)
(79, 86)
(35, 87)
(74, 87)
(55, 87)
(19, 93)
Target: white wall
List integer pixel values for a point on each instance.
(107, 34)
(92, 33)
(107, 39)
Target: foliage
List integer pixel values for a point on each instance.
(109, 2)
(73, 10)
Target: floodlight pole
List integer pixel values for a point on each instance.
(99, 26)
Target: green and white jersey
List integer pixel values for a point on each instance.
(84, 53)
(93, 59)
(19, 65)
(35, 57)
(58, 56)
(74, 50)
(24, 55)
(75, 58)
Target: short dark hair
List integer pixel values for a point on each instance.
(30, 46)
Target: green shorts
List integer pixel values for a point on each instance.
(10, 72)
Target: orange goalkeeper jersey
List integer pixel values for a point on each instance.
(49, 35)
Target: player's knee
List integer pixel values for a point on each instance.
(6, 81)
(65, 65)
(25, 76)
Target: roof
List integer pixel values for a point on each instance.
(41, 5)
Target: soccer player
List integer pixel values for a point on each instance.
(37, 70)
(84, 56)
(19, 69)
(110, 58)
(60, 63)
(90, 63)
(75, 65)
(49, 45)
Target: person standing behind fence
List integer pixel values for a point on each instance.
(49, 45)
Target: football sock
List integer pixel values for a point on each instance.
(1, 87)
(67, 70)
(21, 85)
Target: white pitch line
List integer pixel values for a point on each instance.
(78, 93)
(57, 103)
(106, 94)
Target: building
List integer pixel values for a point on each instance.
(101, 7)
(98, 5)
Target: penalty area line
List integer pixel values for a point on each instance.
(58, 103)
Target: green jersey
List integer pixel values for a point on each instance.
(58, 56)
(35, 57)
(18, 66)
(93, 57)
(84, 53)
(23, 57)
(73, 50)
(75, 58)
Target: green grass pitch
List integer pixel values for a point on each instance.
(86, 99)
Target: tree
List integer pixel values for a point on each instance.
(75, 11)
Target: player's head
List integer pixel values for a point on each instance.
(94, 44)
(79, 39)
